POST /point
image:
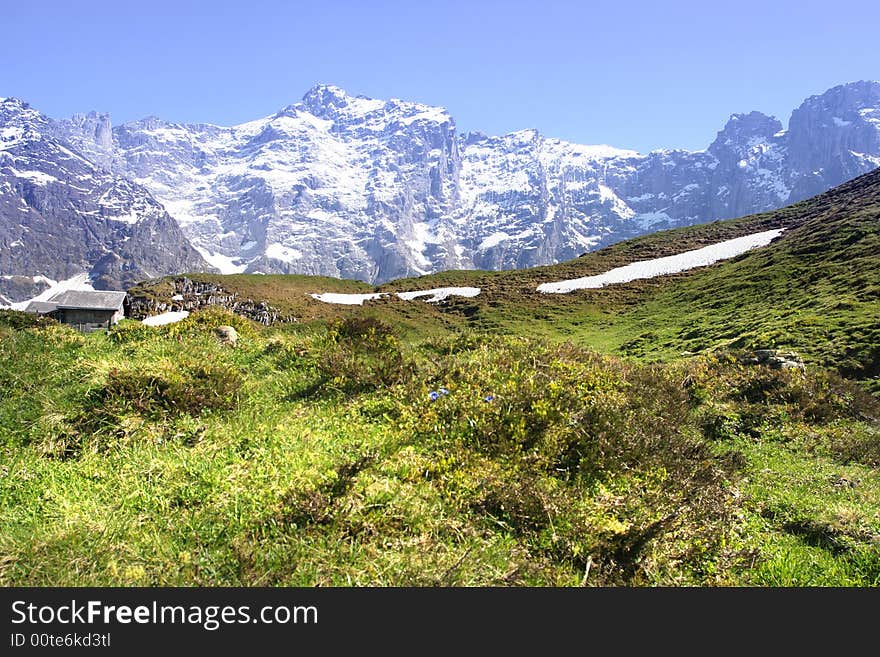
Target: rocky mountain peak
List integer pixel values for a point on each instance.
(97, 125)
(11, 104)
(19, 122)
(743, 131)
(835, 136)
(845, 97)
(365, 114)
(151, 122)
(61, 216)
(325, 100)
(473, 137)
(91, 134)
(845, 108)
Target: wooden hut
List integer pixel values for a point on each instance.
(85, 310)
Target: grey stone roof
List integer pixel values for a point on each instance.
(40, 307)
(89, 299)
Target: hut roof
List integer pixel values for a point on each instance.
(89, 299)
(40, 307)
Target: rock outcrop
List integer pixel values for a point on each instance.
(186, 294)
(226, 335)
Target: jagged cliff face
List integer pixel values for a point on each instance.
(362, 188)
(92, 135)
(61, 215)
(834, 137)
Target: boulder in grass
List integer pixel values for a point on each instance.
(226, 335)
(777, 360)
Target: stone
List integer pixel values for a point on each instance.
(226, 335)
(777, 360)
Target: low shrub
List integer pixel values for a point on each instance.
(206, 320)
(466, 340)
(855, 443)
(362, 353)
(191, 389)
(60, 335)
(570, 409)
(360, 329)
(528, 434)
(813, 396)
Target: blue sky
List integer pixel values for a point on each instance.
(640, 75)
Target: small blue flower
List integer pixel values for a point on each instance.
(488, 398)
(434, 395)
(443, 391)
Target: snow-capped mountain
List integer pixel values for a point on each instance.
(62, 216)
(355, 187)
(334, 185)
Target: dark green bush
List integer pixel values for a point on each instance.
(193, 390)
(360, 329)
(855, 443)
(814, 396)
(362, 353)
(515, 501)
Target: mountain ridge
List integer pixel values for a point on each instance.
(355, 187)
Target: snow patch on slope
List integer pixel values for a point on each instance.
(440, 293)
(225, 264)
(667, 265)
(493, 240)
(36, 177)
(347, 299)
(166, 318)
(436, 294)
(282, 253)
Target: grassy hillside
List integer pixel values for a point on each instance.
(604, 437)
